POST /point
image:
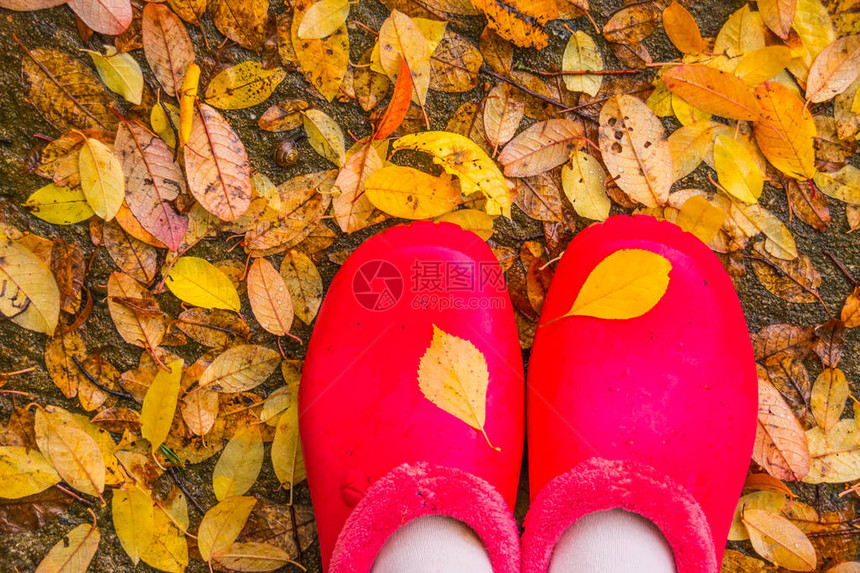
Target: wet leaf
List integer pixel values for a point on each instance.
(59, 205)
(541, 147)
(785, 132)
(768, 500)
(325, 136)
(216, 164)
(851, 309)
(153, 181)
(583, 182)
(167, 46)
(102, 180)
(835, 453)
(28, 291)
(285, 115)
(519, 21)
(351, 206)
(304, 283)
(502, 115)
(780, 444)
(455, 64)
(240, 463)
(713, 91)
(120, 73)
(778, 540)
(461, 157)
(133, 520)
(73, 553)
(829, 393)
(159, 405)
(682, 29)
(400, 37)
(131, 309)
(323, 18)
(810, 206)
(72, 452)
(200, 410)
(778, 340)
(117, 420)
(411, 194)
(60, 353)
(251, 556)
(796, 280)
(103, 16)
(212, 327)
(539, 197)
(198, 282)
(778, 15)
(830, 343)
(737, 170)
(453, 375)
(24, 472)
(582, 54)
(780, 242)
(632, 24)
(243, 85)
(270, 298)
(287, 460)
(835, 68)
(240, 368)
(843, 185)
(323, 61)
(699, 217)
(242, 22)
(634, 148)
(221, 525)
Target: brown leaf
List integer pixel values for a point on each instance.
(200, 410)
(835, 68)
(351, 207)
(304, 283)
(541, 147)
(519, 21)
(167, 46)
(285, 115)
(851, 309)
(454, 64)
(118, 420)
(152, 181)
(32, 512)
(468, 121)
(69, 269)
(498, 53)
(790, 377)
(212, 327)
(60, 353)
(502, 115)
(795, 281)
(777, 539)
(829, 393)
(132, 256)
(778, 15)
(127, 301)
(216, 163)
(540, 196)
(632, 24)
(97, 366)
(270, 298)
(243, 22)
(830, 344)
(780, 443)
(808, 204)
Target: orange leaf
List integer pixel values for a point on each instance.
(270, 299)
(780, 443)
(786, 132)
(713, 91)
(835, 68)
(399, 104)
(682, 29)
(778, 15)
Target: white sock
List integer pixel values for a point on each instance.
(614, 541)
(433, 544)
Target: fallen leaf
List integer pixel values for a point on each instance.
(133, 519)
(322, 19)
(778, 540)
(243, 85)
(59, 205)
(737, 170)
(120, 73)
(285, 115)
(240, 368)
(634, 148)
(127, 302)
(539, 196)
(323, 61)
(850, 314)
(713, 91)
(541, 147)
(222, 524)
(699, 217)
(778, 15)
(777, 340)
(810, 206)
(242, 22)
(75, 455)
(103, 16)
(73, 553)
(198, 282)
(159, 405)
(240, 463)
(742, 32)
(24, 472)
(583, 183)
(519, 21)
(768, 500)
(830, 343)
(780, 444)
(167, 47)
(251, 556)
(411, 194)
(28, 291)
(632, 24)
(400, 37)
(835, 453)
(455, 64)
(682, 29)
(785, 132)
(763, 64)
(102, 178)
(325, 136)
(270, 298)
(60, 355)
(502, 115)
(796, 280)
(829, 393)
(216, 164)
(453, 375)
(351, 206)
(399, 104)
(843, 185)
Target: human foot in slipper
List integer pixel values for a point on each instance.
(412, 396)
(642, 392)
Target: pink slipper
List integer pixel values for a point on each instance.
(379, 453)
(655, 414)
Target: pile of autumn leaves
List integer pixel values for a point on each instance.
(171, 172)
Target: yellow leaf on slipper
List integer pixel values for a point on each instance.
(453, 375)
(626, 284)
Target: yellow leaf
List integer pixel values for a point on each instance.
(133, 520)
(74, 454)
(813, 24)
(780, 445)
(351, 207)
(221, 525)
(72, 553)
(460, 156)
(158, 119)
(685, 113)
(240, 463)
(60, 355)
(626, 284)
(541, 147)
(742, 32)
(778, 15)
(168, 550)
(682, 29)
(785, 132)
(471, 220)
(325, 136)
(829, 393)
(582, 54)
(399, 36)
(187, 99)
(24, 472)
(252, 556)
(240, 368)
(453, 375)
(270, 298)
(736, 170)
(243, 85)
(198, 282)
(287, 460)
(322, 19)
(835, 68)
(583, 183)
(323, 61)
(120, 73)
(159, 404)
(28, 291)
(778, 540)
(633, 144)
(519, 21)
(699, 217)
(713, 91)
(835, 453)
(59, 205)
(769, 500)
(760, 65)
(305, 284)
(102, 179)
(843, 184)
(689, 145)
(409, 193)
(780, 242)
(503, 113)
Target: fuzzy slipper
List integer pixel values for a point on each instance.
(378, 451)
(654, 414)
